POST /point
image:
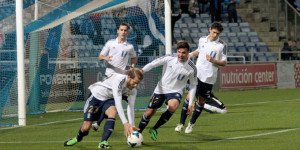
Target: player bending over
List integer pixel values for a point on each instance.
(106, 100)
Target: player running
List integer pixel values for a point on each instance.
(177, 70)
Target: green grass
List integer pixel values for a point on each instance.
(266, 119)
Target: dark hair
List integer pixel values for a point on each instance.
(183, 44)
(286, 44)
(218, 26)
(123, 24)
(135, 72)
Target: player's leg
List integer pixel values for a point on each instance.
(173, 101)
(96, 125)
(203, 92)
(155, 102)
(183, 115)
(214, 105)
(173, 105)
(111, 112)
(146, 118)
(90, 112)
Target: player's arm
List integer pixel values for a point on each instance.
(133, 62)
(130, 107)
(191, 97)
(104, 53)
(107, 58)
(118, 102)
(157, 62)
(192, 92)
(221, 61)
(133, 56)
(194, 54)
(215, 61)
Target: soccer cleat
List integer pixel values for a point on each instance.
(71, 142)
(189, 128)
(179, 128)
(95, 126)
(104, 145)
(153, 133)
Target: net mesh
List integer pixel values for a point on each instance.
(62, 45)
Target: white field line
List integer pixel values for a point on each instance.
(221, 140)
(47, 123)
(255, 135)
(263, 102)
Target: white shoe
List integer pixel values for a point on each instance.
(95, 126)
(189, 128)
(179, 128)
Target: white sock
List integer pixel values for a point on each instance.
(214, 109)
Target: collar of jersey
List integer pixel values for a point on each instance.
(178, 62)
(125, 43)
(215, 42)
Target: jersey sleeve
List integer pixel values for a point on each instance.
(117, 93)
(193, 86)
(157, 62)
(105, 49)
(130, 107)
(132, 52)
(223, 53)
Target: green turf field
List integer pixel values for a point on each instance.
(256, 120)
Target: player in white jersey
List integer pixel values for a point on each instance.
(177, 69)
(117, 52)
(106, 100)
(211, 54)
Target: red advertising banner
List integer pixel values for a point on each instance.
(297, 74)
(247, 76)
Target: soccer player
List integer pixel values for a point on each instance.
(211, 54)
(177, 69)
(117, 52)
(106, 100)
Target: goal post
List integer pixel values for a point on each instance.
(20, 64)
(61, 47)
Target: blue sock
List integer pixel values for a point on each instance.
(197, 111)
(108, 128)
(163, 119)
(100, 120)
(184, 111)
(144, 122)
(81, 134)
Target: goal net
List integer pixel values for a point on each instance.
(62, 44)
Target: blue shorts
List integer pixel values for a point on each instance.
(95, 108)
(157, 100)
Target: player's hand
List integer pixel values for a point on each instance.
(108, 58)
(189, 111)
(127, 71)
(127, 129)
(209, 58)
(130, 67)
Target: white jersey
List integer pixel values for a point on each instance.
(112, 87)
(207, 71)
(120, 53)
(175, 74)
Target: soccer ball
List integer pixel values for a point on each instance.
(135, 139)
